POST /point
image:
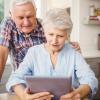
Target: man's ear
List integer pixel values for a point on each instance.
(10, 13)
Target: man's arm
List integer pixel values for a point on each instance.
(3, 58)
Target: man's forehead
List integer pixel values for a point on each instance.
(25, 8)
(20, 2)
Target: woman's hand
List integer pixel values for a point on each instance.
(25, 93)
(37, 96)
(71, 96)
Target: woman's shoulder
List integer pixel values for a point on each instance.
(68, 47)
(36, 51)
(36, 47)
(70, 50)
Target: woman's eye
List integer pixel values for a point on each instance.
(51, 34)
(60, 36)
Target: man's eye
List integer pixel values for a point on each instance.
(32, 16)
(21, 17)
(29, 17)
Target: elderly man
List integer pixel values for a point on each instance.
(19, 32)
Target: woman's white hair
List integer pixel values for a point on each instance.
(21, 2)
(59, 18)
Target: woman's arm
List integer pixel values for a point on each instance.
(19, 90)
(78, 94)
(18, 77)
(83, 90)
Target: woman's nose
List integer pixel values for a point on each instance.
(54, 40)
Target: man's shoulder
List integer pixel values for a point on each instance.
(7, 20)
(39, 20)
(39, 29)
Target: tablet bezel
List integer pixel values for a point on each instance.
(55, 85)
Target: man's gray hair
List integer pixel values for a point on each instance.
(59, 18)
(21, 2)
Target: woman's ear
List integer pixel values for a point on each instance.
(36, 9)
(68, 37)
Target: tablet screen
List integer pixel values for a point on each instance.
(55, 85)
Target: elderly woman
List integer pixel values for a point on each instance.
(59, 59)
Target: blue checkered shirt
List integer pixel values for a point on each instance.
(17, 42)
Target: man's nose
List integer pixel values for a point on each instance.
(26, 21)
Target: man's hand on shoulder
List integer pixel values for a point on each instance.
(76, 46)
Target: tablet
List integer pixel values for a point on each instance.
(55, 85)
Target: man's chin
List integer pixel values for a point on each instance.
(27, 32)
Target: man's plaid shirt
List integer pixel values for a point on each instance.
(17, 42)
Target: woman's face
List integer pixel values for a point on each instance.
(55, 38)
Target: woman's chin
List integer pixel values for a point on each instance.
(55, 50)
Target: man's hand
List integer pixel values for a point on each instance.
(76, 46)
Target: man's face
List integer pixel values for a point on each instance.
(24, 17)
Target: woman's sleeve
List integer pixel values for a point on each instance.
(25, 68)
(85, 74)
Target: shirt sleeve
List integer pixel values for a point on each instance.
(85, 74)
(26, 68)
(5, 31)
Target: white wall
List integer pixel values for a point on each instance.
(49, 4)
(75, 19)
(6, 7)
(59, 3)
(87, 34)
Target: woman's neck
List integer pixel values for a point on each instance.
(51, 52)
(53, 55)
